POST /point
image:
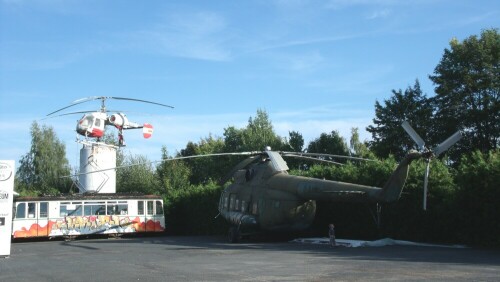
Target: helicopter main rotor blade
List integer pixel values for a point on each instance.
(295, 154)
(165, 160)
(447, 143)
(414, 135)
(313, 159)
(426, 183)
(76, 102)
(103, 98)
(143, 101)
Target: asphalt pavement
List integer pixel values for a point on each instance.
(213, 259)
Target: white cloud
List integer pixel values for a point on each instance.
(201, 35)
(383, 13)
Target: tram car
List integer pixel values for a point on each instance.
(83, 214)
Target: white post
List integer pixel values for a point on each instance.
(7, 173)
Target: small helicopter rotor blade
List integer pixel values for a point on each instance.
(426, 183)
(413, 134)
(138, 100)
(103, 99)
(447, 143)
(67, 114)
(76, 102)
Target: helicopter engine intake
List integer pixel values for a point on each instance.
(119, 119)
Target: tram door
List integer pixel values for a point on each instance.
(43, 218)
(32, 216)
(153, 214)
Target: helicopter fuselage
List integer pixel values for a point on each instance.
(92, 125)
(264, 197)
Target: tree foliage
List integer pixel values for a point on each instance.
(478, 199)
(331, 143)
(42, 169)
(137, 175)
(467, 81)
(388, 137)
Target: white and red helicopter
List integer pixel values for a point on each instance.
(93, 124)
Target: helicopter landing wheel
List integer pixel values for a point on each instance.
(233, 235)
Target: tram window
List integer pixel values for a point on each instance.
(31, 210)
(150, 208)
(70, 209)
(117, 209)
(159, 207)
(21, 210)
(94, 208)
(43, 209)
(140, 207)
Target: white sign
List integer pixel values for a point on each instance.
(6, 199)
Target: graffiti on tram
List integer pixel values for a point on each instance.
(81, 225)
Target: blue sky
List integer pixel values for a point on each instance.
(314, 66)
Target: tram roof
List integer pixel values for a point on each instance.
(89, 196)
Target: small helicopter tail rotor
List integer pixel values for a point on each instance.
(429, 154)
(147, 130)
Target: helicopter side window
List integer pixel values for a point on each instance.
(243, 206)
(276, 204)
(254, 208)
(97, 122)
(231, 202)
(225, 202)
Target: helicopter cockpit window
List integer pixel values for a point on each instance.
(243, 205)
(249, 174)
(85, 121)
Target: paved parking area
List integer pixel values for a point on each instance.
(212, 259)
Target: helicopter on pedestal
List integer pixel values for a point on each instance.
(93, 123)
(95, 154)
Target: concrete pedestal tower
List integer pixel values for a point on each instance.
(95, 157)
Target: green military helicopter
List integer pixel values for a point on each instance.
(265, 198)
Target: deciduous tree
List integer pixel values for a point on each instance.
(42, 169)
(467, 81)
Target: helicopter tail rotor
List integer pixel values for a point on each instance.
(429, 154)
(147, 130)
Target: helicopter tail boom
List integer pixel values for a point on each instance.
(335, 191)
